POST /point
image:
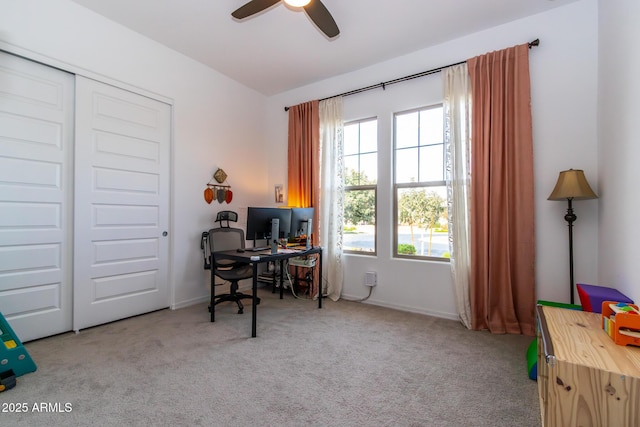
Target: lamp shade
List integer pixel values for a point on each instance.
(572, 185)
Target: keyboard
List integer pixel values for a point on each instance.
(258, 249)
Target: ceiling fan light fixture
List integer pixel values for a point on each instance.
(314, 9)
(297, 3)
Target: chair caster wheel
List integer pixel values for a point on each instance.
(240, 311)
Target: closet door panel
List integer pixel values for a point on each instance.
(36, 147)
(121, 204)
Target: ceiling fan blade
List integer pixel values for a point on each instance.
(320, 15)
(253, 7)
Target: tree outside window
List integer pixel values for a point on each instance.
(360, 205)
(420, 192)
(421, 210)
(361, 169)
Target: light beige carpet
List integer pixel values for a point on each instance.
(349, 364)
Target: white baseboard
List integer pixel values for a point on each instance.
(434, 313)
(187, 303)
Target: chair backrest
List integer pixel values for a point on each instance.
(225, 239)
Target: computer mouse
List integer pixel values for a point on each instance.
(240, 250)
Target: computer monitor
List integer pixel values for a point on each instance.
(259, 222)
(300, 218)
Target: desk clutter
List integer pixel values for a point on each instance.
(298, 275)
(303, 262)
(621, 321)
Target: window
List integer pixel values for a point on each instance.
(361, 177)
(420, 194)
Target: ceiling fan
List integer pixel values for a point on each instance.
(313, 8)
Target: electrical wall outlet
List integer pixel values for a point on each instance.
(370, 278)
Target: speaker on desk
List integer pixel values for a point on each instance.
(306, 230)
(275, 235)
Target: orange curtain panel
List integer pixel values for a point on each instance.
(502, 236)
(304, 157)
(304, 165)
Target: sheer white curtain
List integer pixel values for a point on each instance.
(457, 110)
(331, 203)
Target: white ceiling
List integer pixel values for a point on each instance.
(281, 49)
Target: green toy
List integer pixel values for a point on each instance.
(14, 358)
(532, 351)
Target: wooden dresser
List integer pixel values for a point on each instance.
(584, 378)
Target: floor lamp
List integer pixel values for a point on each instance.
(571, 185)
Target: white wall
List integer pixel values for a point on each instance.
(564, 94)
(619, 146)
(216, 122)
(211, 113)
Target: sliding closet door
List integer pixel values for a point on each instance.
(36, 145)
(121, 204)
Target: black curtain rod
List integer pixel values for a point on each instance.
(383, 85)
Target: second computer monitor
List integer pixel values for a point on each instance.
(301, 220)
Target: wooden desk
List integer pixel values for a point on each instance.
(255, 258)
(584, 378)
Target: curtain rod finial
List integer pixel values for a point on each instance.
(536, 42)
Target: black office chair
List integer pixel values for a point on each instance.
(223, 239)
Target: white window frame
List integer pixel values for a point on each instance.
(368, 187)
(419, 184)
